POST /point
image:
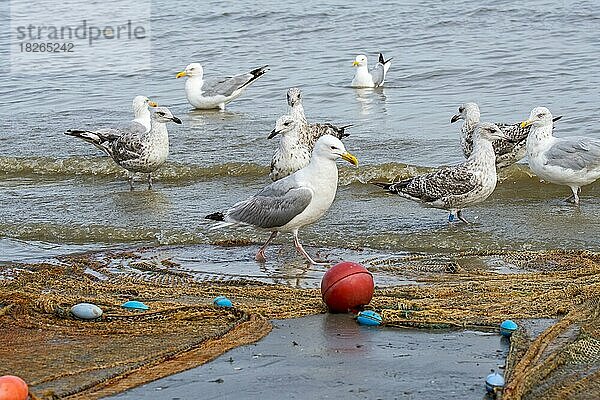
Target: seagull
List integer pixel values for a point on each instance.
(133, 148)
(216, 92)
(141, 112)
(508, 151)
(291, 155)
(310, 133)
(456, 187)
(295, 201)
(571, 161)
(370, 79)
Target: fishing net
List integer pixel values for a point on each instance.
(65, 358)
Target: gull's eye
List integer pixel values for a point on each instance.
(333, 147)
(540, 115)
(286, 123)
(461, 109)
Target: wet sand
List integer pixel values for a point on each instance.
(331, 356)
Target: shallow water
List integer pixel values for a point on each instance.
(60, 195)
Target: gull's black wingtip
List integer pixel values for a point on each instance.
(218, 216)
(382, 60)
(259, 71)
(384, 185)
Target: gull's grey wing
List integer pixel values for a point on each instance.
(575, 153)
(448, 181)
(378, 74)
(227, 86)
(272, 207)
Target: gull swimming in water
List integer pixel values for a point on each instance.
(216, 92)
(141, 111)
(134, 148)
(291, 155)
(508, 150)
(456, 187)
(373, 78)
(295, 201)
(570, 161)
(310, 133)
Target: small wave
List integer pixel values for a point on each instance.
(11, 167)
(104, 167)
(84, 234)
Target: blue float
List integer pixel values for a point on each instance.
(494, 382)
(507, 328)
(369, 318)
(135, 305)
(222, 301)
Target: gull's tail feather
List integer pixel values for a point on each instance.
(557, 118)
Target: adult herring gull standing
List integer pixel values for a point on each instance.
(216, 92)
(310, 133)
(570, 161)
(508, 150)
(134, 148)
(295, 201)
(373, 78)
(456, 187)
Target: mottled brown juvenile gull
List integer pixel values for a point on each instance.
(216, 92)
(572, 161)
(363, 78)
(134, 148)
(310, 133)
(295, 201)
(508, 151)
(456, 187)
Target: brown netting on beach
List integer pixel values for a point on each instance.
(62, 357)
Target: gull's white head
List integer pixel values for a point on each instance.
(332, 148)
(192, 70)
(360, 61)
(294, 96)
(539, 116)
(284, 126)
(141, 103)
(163, 115)
(488, 131)
(467, 111)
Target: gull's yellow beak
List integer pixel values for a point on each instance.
(152, 104)
(355, 64)
(181, 74)
(350, 158)
(525, 124)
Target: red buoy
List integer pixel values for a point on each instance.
(13, 388)
(346, 287)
